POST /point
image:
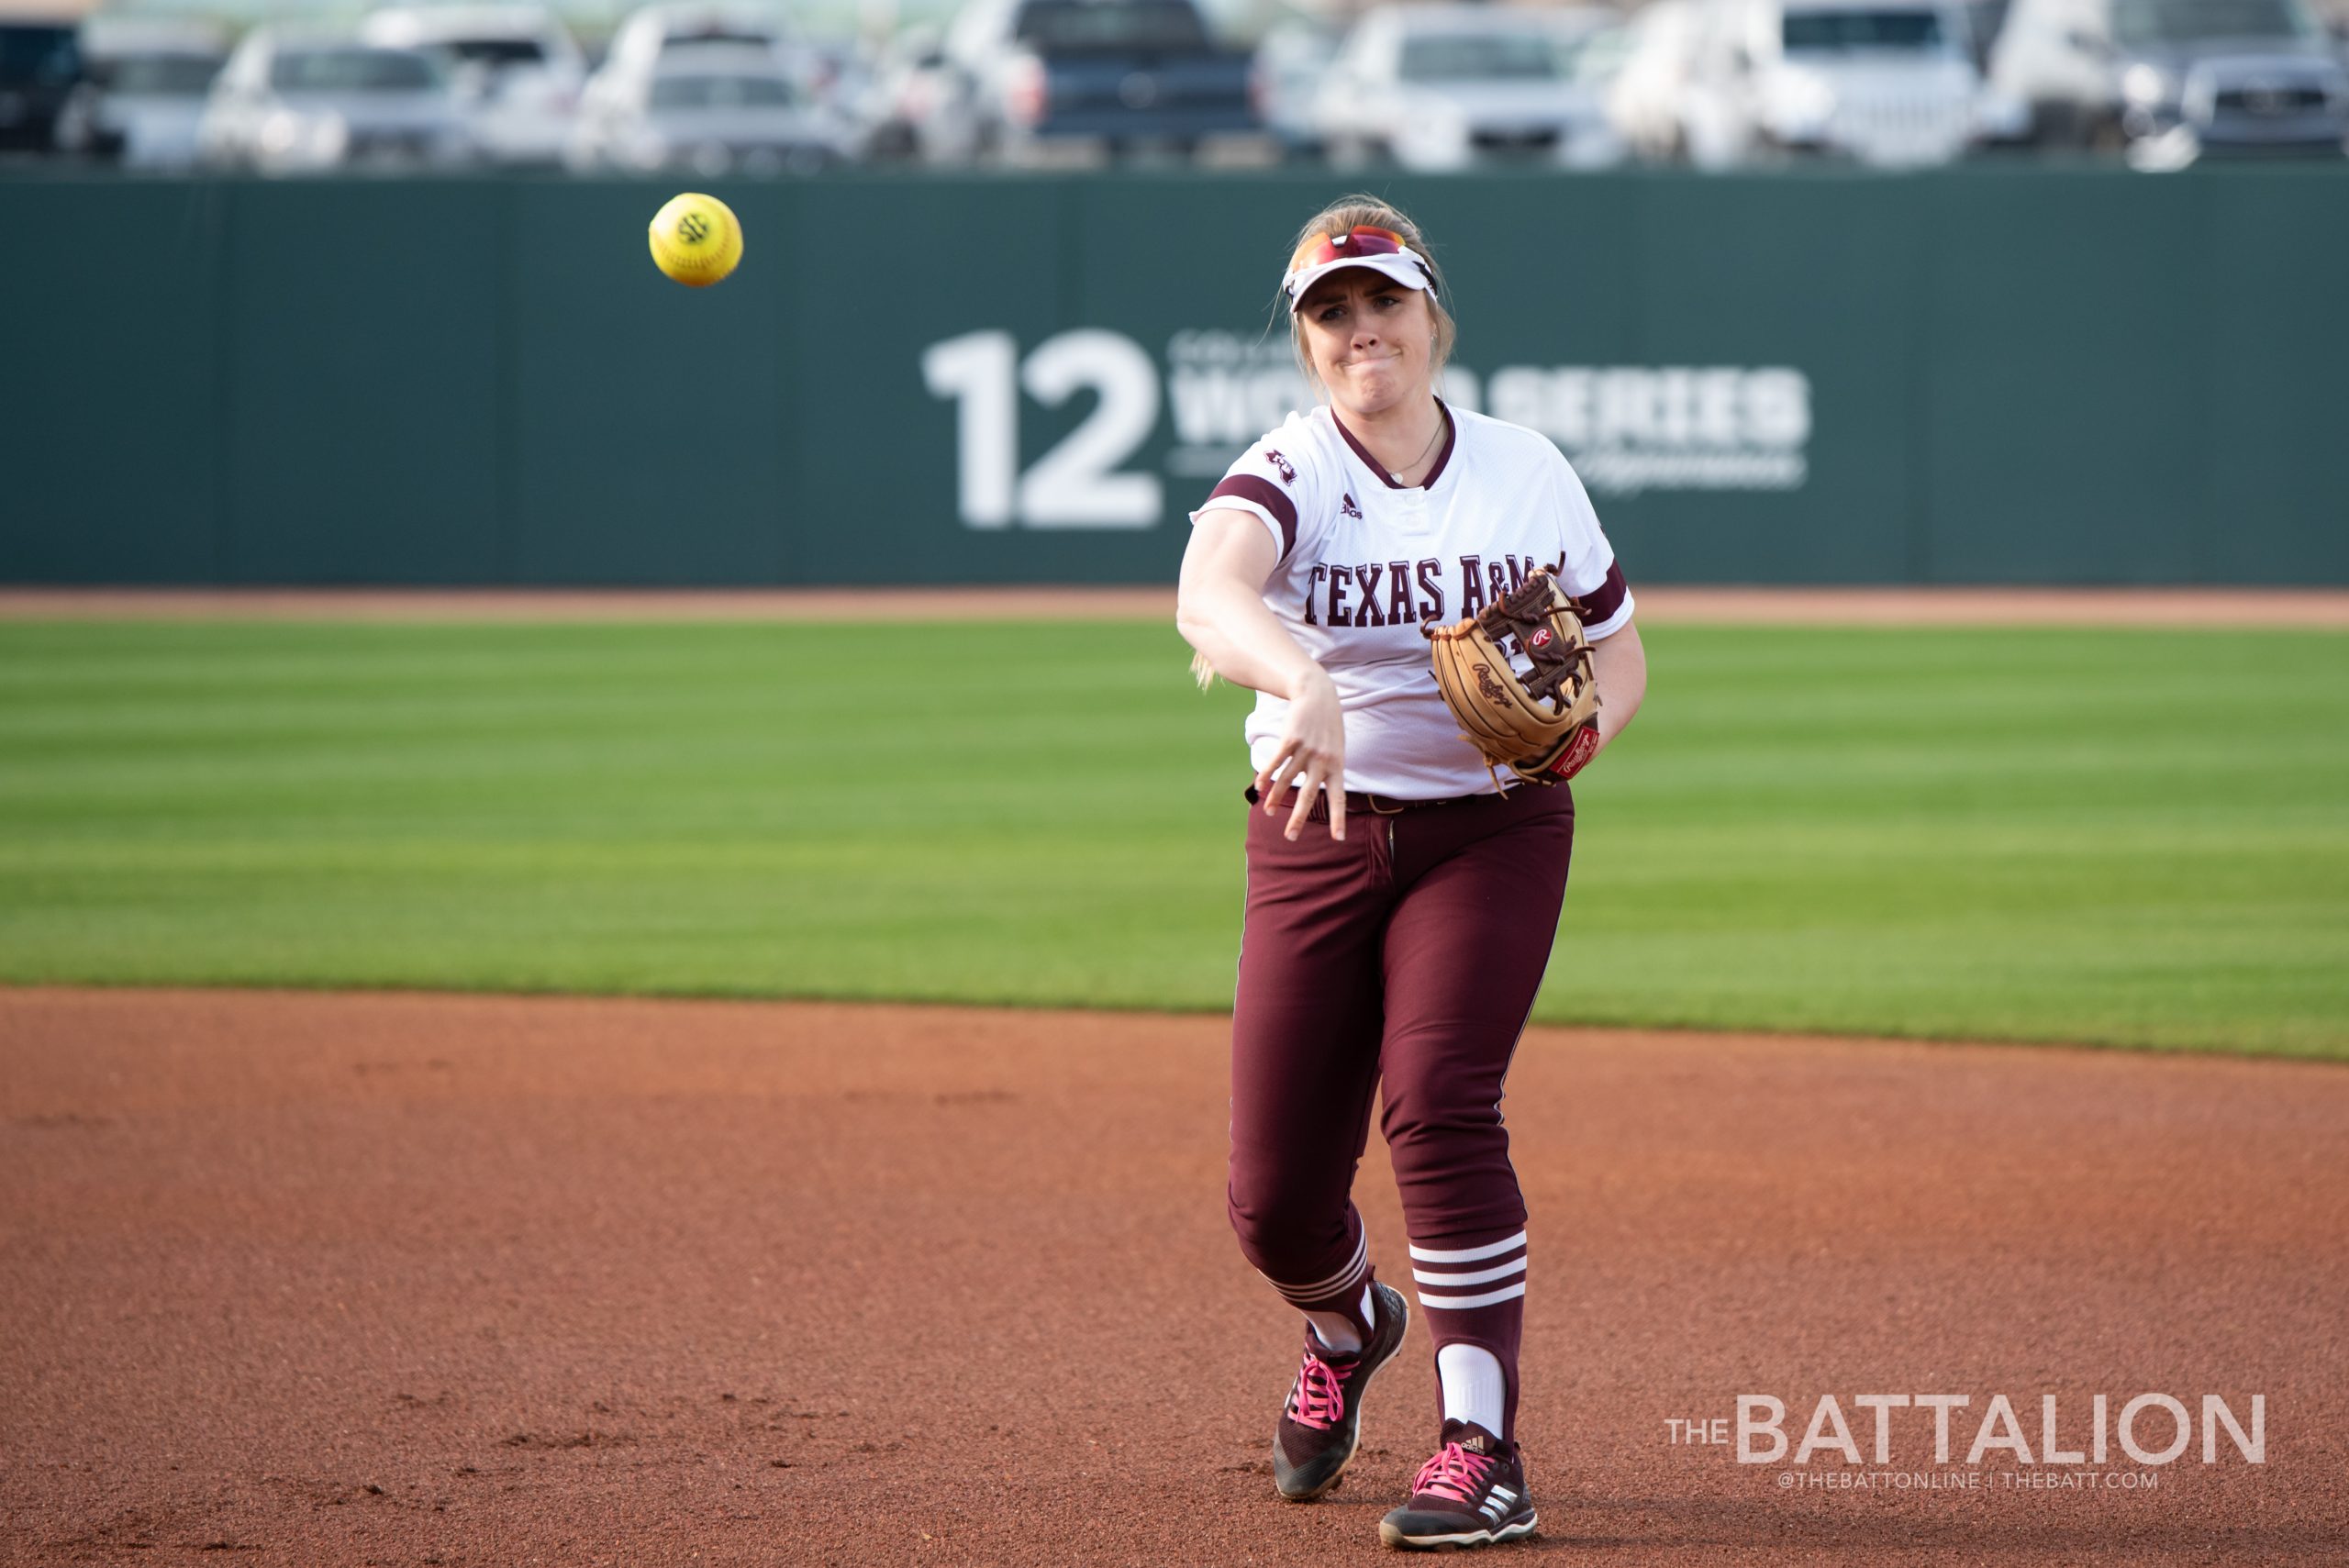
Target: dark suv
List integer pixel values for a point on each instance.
(2169, 79)
(1114, 74)
(40, 62)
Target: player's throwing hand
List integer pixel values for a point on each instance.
(1311, 755)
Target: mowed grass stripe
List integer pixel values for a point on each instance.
(2103, 836)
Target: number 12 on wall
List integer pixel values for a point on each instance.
(1077, 484)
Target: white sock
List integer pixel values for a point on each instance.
(1472, 1387)
(1337, 1331)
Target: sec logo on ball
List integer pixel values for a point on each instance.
(696, 239)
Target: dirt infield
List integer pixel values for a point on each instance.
(1833, 606)
(408, 1279)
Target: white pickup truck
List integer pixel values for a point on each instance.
(1882, 81)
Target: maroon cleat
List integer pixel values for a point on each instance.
(1471, 1494)
(1321, 1424)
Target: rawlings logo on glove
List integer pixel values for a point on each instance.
(1542, 724)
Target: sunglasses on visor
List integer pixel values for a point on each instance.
(1360, 240)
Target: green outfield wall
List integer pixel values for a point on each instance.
(1980, 375)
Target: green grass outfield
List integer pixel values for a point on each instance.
(2103, 836)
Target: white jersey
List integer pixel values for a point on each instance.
(1365, 563)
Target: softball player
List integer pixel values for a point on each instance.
(1400, 907)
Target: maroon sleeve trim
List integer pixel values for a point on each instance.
(1599, 605)
(1264, 494)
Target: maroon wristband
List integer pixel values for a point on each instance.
(1579, 752)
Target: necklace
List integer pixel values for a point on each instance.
(1442, 423)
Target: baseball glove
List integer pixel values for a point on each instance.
(1542, 725)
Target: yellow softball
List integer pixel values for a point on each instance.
(696, 239)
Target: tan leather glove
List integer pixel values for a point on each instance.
(1542, 724)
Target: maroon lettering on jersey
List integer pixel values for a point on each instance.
(1431, 574)
(1399, 611)
(1312, 586)
(1497, 579)
(1472, 585)
(1367, 575)
(1335, 607)
(1516, 573)
(1347, 508)
(1286, 470)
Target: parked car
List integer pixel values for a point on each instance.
(41, 64)
(650, 37)
(1292, 61)
(1600, 56)
(915, 105)
(1644, 102)
(713, 113)
(1075, 77)
(516, 70)
(736, 34)
(1884, 81)
(143, 97)
(2170, 79)
(1985, 20)
(1448, 86)
(291, 102)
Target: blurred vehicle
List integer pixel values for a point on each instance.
(41, 64)
(652, 36)
(516, 69)
(917, 105)
(713, 112)
(1985, 20)
(1075, 77)
(1884, 81)
(1644, 102)
(1448, 86)
(1292, 61)
(291, 102)
(2170, 79)
(1599, 57)
(143, 97)
(674, 33)
(840, 72)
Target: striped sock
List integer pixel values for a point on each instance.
(1458, 1279)
(1339, 1304)
(1474, 1290)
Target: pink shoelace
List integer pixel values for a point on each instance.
(1453, 1473)
(1319, 1400)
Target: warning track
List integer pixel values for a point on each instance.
(320, 1279)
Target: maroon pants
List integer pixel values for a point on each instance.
(1406, 956)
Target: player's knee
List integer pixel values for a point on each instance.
(1284, 1234)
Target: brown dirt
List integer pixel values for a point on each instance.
(310, 1279)
(1842, 606)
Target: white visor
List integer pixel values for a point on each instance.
(1404, 266)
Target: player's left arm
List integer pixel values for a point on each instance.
(1619, 662)
(1587, 568)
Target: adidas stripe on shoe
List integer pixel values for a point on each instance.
(1471, 1494)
